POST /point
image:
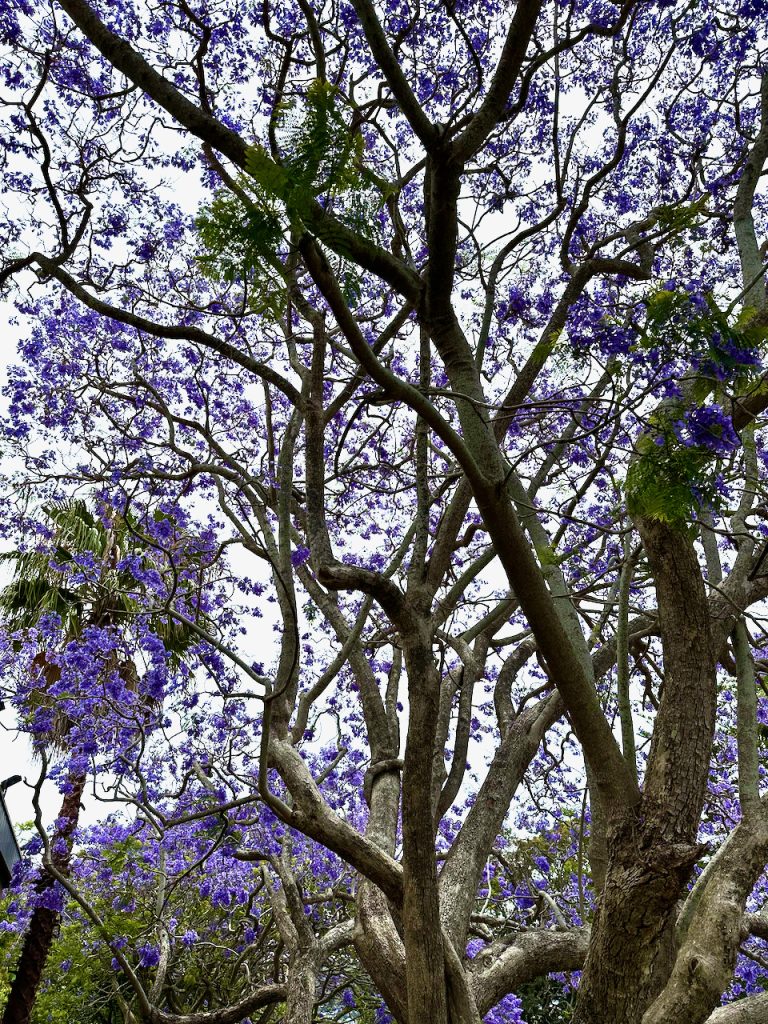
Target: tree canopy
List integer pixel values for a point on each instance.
(422, 343)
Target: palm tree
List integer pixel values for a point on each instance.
(52, 582)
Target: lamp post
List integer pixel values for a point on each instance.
(9, 849)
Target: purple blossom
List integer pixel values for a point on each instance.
(149, 955)
(299, 556)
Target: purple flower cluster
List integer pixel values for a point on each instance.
(708, 427)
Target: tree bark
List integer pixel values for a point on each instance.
(378, 942)
(708, 951)
(653, 848)
(423, 936)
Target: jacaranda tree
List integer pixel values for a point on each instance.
(444, 323)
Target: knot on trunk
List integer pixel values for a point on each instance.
(390, 764)
(640, 854)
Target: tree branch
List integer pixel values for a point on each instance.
(503, 967)
(207, 128)
(389, 66)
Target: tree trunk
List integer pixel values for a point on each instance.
(302, 987)
(422, 927)
(41, 931)
(378, 943)
(631, 951)
(653, 847)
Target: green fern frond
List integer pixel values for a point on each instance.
(242, 231)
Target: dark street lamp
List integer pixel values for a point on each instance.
(9, 849)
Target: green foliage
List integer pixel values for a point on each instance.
(7, 957)
(242, 230)
(271, 178)
(50, 580)
(548, 556)
(77, 985)
(679, 218)
(545, 1001)
(322, 156)
(37, 587)
(724, 349)
(241, 236)
(80, 985)
(668, 481)
(560, 847)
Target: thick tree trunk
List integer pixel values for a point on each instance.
(422, 927)
(41, 931)
(631, 951)
(302, 987)
(653, 848)
(715, 927)
(378, 942)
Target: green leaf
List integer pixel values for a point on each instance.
(267, 174)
